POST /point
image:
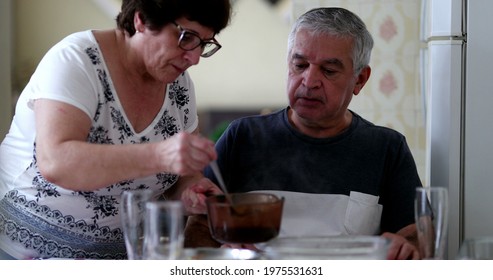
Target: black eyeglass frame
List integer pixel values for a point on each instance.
(201, 43)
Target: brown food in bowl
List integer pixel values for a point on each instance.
(251, 218)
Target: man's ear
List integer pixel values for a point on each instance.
(361, 80)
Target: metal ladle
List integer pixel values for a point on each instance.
(219, 177)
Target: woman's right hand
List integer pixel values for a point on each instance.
(185, 153)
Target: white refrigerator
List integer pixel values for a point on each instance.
(458, 80)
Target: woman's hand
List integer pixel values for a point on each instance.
(185, 153)
(193, 197)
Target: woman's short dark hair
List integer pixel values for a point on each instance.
(155, 14)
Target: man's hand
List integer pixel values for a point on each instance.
(400, 248)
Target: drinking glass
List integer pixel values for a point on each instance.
(478, 248)
(163, 233)
(132, 217)
(431, 216)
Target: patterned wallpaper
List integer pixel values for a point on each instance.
(392, 97)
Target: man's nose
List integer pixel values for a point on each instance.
(312, 77)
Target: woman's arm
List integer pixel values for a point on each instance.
(66, 159)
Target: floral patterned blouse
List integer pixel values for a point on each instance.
(41, 220)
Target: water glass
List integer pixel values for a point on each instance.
(132, 217)
(431, 216)
(163, 234)
(478, 248)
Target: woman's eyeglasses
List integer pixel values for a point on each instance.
(190, 40)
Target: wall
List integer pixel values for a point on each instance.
(250, 70)
(38, 25)
(5, 64)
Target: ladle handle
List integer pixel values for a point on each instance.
(219, 177)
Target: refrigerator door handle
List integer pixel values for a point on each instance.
(424, 21)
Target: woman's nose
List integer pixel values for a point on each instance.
(193, 56)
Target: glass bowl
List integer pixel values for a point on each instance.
(244, 218)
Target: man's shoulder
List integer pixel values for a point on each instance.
(367, 127)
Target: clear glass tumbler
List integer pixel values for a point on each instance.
(132, 217)
(431, 216)
(163, 234)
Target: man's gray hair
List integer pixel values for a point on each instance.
(337, 22)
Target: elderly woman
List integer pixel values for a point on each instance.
(107, 111)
